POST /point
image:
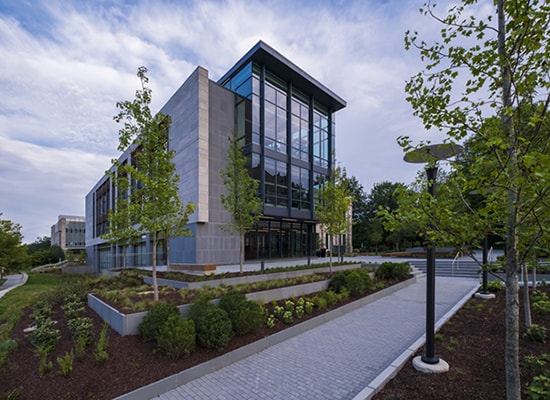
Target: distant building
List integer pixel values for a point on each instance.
(285, 119)
(69, 233)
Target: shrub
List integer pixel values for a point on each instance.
(45, 337)
(539, 389)
(331, 297)
(82, 327)
(287, 317)
(45, 366)
(66, 363)
(149, 327)
(538, 295)
(355, 281)
(270, 321)
(212, 324)
(536, 333)
(245, 315)
(177, 337)
(393, 271)
(6, 347)
(495, 286)
(319, 302)
(541, 307)
(100, 352)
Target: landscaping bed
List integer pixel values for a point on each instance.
(131, 363)
(472, 342)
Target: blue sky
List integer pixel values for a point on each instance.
(65, 64)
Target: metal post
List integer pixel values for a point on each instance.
(429, 357)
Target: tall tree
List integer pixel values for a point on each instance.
(334, 207)
(148, 200)
(478, 81)
(241, 201)
(358, 216)
(12, 251)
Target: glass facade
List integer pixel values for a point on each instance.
(288, 137)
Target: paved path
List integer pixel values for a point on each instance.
(12, 281)
(346, 358)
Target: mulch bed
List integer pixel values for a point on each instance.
(473, 345)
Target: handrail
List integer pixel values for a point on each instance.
(456, 260)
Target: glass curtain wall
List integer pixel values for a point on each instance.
(287, 138)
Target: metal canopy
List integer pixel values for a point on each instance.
(432, 153)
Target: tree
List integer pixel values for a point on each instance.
(241, 200)
(12, 251)
(358, 216)
(147, 202)
(332, 211)
(479, 81)
(41, 252)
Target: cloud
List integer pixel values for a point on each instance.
(69, 63)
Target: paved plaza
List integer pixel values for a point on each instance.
(346, 358)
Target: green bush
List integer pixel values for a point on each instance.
(100, 353)
(495, 286)
(393, 271)
(536, 333)
(177, 337)
(245, 315)
(538, 295)
(355, 281)
(212, 324)
(82, 329)
(66, 363)
(539, 389)
(150, 326)
(6, 347)
(541, 307)
(45, 336)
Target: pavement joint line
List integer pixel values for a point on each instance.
(391, 371)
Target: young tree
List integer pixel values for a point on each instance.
(332, 211)
(478, 81)
(241, 201)
(12, 251)
(148, 202)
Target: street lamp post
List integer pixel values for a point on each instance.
(429, 362)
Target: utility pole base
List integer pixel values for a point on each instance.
(437, 368)
(485, 296)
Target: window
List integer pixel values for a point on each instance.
(300, 130)
(300, 188)
(275, 118)
(276, 191)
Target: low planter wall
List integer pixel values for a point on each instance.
(172, 382)
(250, 278)
(127, 324)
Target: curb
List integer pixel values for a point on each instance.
(391, 371)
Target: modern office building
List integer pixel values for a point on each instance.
(286, 120)
(69, 233)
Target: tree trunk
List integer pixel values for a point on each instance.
(155, 284)
(513, 381)
(241, 252)
(526, 305)
(330, 253)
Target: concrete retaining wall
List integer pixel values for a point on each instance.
(127, 324)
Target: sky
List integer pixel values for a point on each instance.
(65, 64)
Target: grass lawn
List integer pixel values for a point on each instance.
(24, 295)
